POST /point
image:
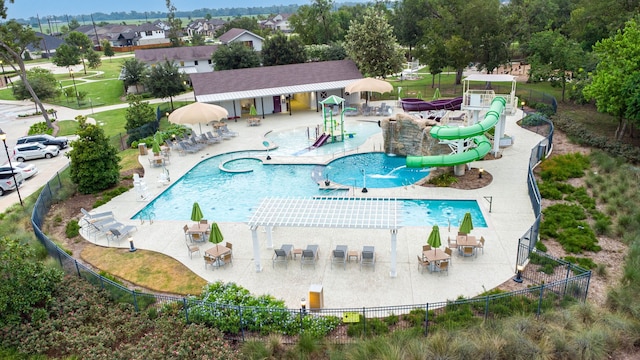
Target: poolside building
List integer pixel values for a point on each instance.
(276, 89)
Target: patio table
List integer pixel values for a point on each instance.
(433, 256)
(466, 241)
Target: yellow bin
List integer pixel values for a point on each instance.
(316, 298)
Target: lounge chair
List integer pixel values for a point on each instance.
(187, 148)
(88, 215)
(212, 138)
(223, 135)
(339, 256)
(225, 130)
(423, 263)
(282, 255)
(309, 255)
(118, 233)
(368, 257)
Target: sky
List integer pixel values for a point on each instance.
(27, 8)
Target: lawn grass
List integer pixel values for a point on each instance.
(67, 127)
(147, 269)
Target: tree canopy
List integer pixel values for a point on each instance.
(94, 161)
(235, 56)
(165, 81)
(282, 50)
(43, 83)
(372, 45)
(133, 71)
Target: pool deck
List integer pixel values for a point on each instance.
(510, 217)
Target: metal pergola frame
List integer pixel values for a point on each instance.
(326, 212)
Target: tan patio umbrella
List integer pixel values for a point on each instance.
(198, 113)
(369, 85)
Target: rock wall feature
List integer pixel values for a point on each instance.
(407, 135)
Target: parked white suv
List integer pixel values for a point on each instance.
(7, 183)
(30, 151)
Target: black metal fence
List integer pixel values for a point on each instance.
(567, 283)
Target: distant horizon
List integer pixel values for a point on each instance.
(25, 9)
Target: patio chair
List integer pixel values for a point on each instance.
(468, 251)
(368, 257)
(423, 264)
(309, 256)
(197, 237)
(452, 244)
(448, 252)
(226, 259)
(443, 266)
(186, 232)
(192, 249)
(339, 256)
(480, 244)
(381, 111)
(229, 246)
(208, 260)
(279, 256)
(426, 247)
(204, 221)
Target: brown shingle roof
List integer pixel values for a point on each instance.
(273, 76)
(185, 53)
(233, 34)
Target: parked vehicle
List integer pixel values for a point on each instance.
(7, 183)
(27, 170)
(34, 151)
(45, 139)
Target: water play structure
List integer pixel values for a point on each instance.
(333, 129)
(463, 137)
(415, 105)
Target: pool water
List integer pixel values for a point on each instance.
(233, 196)
(296, 142)
(376, 169)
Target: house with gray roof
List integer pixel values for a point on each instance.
(46, 47)
(244, 36)
(190, 59)
(272, 88)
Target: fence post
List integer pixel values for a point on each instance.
(77, 267)
(566, 280)
(540, 300)
(135, 300)
(364, 321)
(186, 309)
(101, 282)
(486, 307)
(586, 291)
(426, 320)
(241, 322)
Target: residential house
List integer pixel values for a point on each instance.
(46, 47)
(204, 27)
(190, 59)
(244, 36)
(278, 22)
(272, 88)
(150, 34)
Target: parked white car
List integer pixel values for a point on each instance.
(7, 182)
(27, 170)
(30, 151)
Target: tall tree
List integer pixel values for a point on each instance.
(95, 165)
(372, 45)
(553, 56)
(107, 49)
(165, 81)
(619, 58)
(175, 25)
(73, 24)
(14, 39)
(134, 71)
(66, 55)
(406, 19)
(43, 83)
(93, 59)
(81, 43)
(3, 9)
(282, 50)
(240, 22)
(235, 56)
(315, 23)
(141, 119)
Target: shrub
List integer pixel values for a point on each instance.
(72, 229)
(443, 180)
(563, 167)
(534, 119)
(40, 128)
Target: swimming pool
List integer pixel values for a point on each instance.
(233, 196)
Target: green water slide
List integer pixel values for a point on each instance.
(473, 132)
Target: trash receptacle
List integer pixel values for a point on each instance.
(316, 298)
(143, 148)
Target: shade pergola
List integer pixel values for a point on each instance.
(326, 212)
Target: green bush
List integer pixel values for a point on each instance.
(368, 327)
(534, 119)
(40, 128)
(416, 317)
(110, 194)
(547, 265)
(564, 167)
(443, 180)
(583, 262)
(72, 229)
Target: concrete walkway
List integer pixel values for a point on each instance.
(511, 216)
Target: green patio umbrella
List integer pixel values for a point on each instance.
(434, 238)
(467, 224)
(196, 213)
(215, 236)
(253, 111)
